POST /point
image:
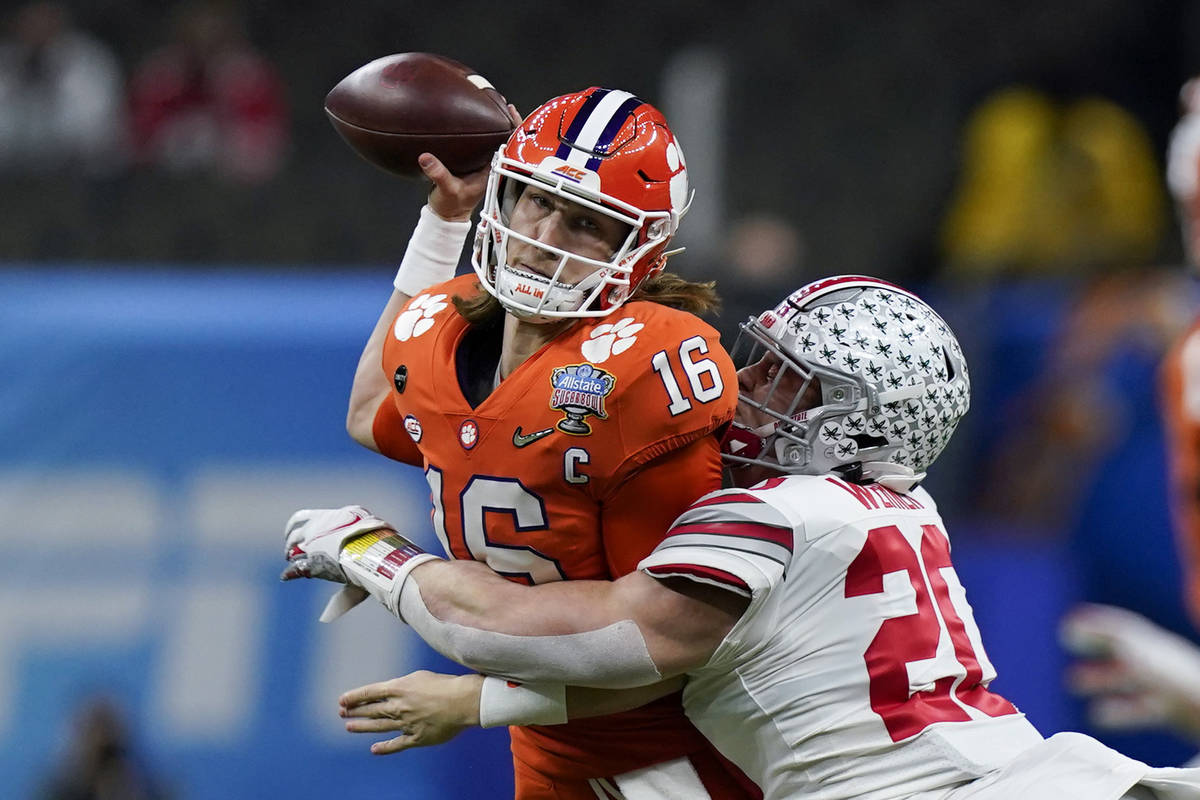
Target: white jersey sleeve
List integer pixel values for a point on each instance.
(732, 539)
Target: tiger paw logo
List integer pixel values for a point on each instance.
(611, 339)
(418, 317)
(579, 391)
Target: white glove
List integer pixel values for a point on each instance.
(1136, 673)
(314, 538)
(319, 543)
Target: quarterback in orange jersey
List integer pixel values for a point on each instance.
(566, 387)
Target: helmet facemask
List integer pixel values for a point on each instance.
(794, 406)
(535, 296)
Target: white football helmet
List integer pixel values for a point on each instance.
(892, 383)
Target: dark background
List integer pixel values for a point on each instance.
(843, 117)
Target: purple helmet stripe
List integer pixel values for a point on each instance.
(611, 129)
(572, 133)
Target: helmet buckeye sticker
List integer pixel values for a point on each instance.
(579, 392)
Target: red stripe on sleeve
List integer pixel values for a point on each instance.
(697, 571)
(746, 530)
(741, 497)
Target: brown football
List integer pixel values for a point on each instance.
(397, 107)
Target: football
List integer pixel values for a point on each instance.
(399, 106)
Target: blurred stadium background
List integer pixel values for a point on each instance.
(192, 259)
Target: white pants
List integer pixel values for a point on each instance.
(1071, 766)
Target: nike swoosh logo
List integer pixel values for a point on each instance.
(357, 519)
(522, 439)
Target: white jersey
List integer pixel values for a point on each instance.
(857, 670)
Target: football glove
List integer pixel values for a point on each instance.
(349, 545)
(1135, 673)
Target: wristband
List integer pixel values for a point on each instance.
(504, 702)
(379, 562)
(432, 254)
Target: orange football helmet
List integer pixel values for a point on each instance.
(607, 151)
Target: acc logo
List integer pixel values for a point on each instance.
(413, 426)
(570, 173)
(579, 391)
(468, 434)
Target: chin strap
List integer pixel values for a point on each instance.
(896, 477)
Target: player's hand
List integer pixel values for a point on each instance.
(427, 708)
(454, 197)
(313, 540)
(1135, 673)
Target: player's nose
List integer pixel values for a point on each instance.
(550, 229)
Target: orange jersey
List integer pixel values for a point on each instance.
(572, 468)
(1180, 383)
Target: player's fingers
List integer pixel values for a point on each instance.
(1099, 677)
(384, 709)
(395, 745)
(299, 518)
(370, 693)
(514, 114)
(1127, 712)
(298, 568)
(435, 170)
(373, 725)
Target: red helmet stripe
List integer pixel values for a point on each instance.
(821, 286)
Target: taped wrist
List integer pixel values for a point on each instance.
(379, 562)
(432, 254)
(504, 702)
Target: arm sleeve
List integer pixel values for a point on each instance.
(638, 513)
(391, 438)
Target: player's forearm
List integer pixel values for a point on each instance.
(370, 387)
(584, 702)
(526, 633)
(470, 594)
(629, 632)
(502, 702)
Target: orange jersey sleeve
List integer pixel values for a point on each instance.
(391, 438)
(1180, 386)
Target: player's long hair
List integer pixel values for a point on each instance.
(666, 288)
